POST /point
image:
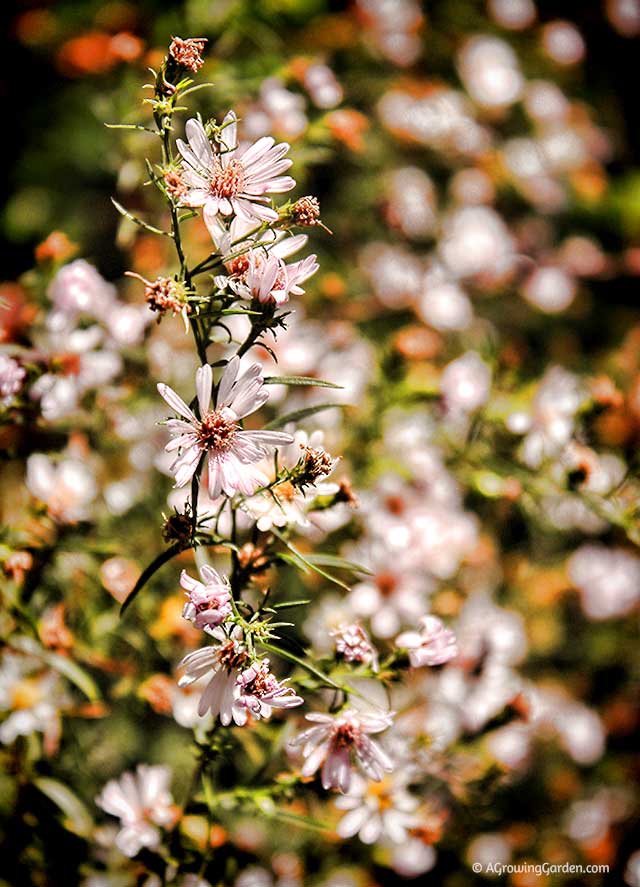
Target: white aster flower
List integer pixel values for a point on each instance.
(375, 812)
(258, 691)
(330, 743)
(224, 661)
(68, 487)
(432, 645)
(231, 452)
(465, 383)
(11, 379)
(268, 279)
(34, 699)
(141, 801)
(608, 580)
(208, 602)
(354, 645)
(232, 181)
(282, 506)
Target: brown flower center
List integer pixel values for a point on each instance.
(346, 735)
(230, 656)
(216, 432)
(227, 181)
(386, 583)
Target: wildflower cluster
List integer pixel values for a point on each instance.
(313, 564)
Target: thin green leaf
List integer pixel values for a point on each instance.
(77, 818)
(195, 88)
(304, 413)
(339, 563)
(293, 561)
(73, 672)
(308, 563)
(227, 312)
(288, 604)
(301, 821)
(285, 654)
(135, 126)
(125, 212)
(299, 380)
(147, 573)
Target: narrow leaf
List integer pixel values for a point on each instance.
(308, 563)
(227, 312)
(288, 604)
(339, 563)
(134, 126)
(72, 671)
(146, 574)
(125, 212)
(299, 380)
(301, 821)
(304, 413)
(77, 817)
(285, 654)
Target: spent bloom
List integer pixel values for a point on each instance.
(232, 181)
(188, 53)
(434, 644)
(231, 452)
(142, 802)
(208, 602)
(258, 691)
(335, 738)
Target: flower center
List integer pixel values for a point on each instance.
(386, 583)
(227, 181)
(231, 656)
(260, 685)
(346, 735)
(216, 431)
(285, 492)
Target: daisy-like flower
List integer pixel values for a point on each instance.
(68, 487)
(231, 453)
(282, 506)
(142, 802)
(378, 811)
(335, 737)
(262, 273)
(434, 644)
(208, 602)
(229, 180)
(258, 692)
(224, 661)
(268, 279)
